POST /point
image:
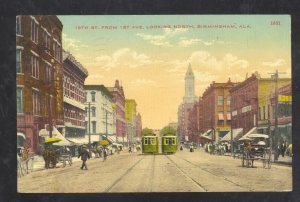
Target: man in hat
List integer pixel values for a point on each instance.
(84, 156)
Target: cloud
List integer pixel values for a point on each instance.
(71, 44)
(162, 40)
(189, 42)
(124, 58)
(207, 67)
(275, 63)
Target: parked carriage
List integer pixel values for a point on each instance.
(169, 144)
(256, 150)
(150, 144)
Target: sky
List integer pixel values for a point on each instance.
(150, 54)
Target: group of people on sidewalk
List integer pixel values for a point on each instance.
(284, 149)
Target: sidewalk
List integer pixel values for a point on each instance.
(286, 160)
(39, 163)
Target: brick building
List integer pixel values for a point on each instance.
(39, 75)
(216, 101)
(74, 75)
(193, 124)
(251, 103)
(138, 127)
(119, 99)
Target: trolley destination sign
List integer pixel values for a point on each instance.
(153, 103)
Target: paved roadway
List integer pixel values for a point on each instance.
(182, 172)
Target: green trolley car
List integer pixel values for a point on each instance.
(169, 144)
(150, 144)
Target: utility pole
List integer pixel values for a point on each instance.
(231, 135)
(106, 123)
(49, 110)
(89, 127)
(274, 138)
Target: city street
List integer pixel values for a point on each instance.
(182, 172)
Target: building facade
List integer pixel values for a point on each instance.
(74, 75)
(119, 99)
(193, 124)
(251, 103)
(216, 101)
(39, 76)
(186, 106)
(130, 117)
(284, 115)
(100, 115)
(139, 127)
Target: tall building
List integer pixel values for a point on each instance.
(138, 128)
(130, 117)
(74, 75)
(39, 76)
(119, 99)
(189, 96)
(193, 125)
(100, 115)
(185, 107)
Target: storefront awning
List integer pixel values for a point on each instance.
(235, 134)
(228, 116)
(120, 139)
(253, 130)
(207, 134)
(78, 141)
(221, 116)
(55, 133)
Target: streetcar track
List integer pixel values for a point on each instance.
(120, 178)
(224, 178)
(186, 175)
(152, 173)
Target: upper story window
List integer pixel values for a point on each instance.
(220, 100)
(48, 73)
(34, 67)
(34, 31)
(94, 126)
(228, 100)
(36, 102)
(47, 42)
(18, 61)
(18, 25)
(93, 94)
(93, 111)
(57, 50)
(85, 97)
(19, 100)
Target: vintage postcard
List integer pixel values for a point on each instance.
(153, 103)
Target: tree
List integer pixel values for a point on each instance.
(147, 131)
(167, 130)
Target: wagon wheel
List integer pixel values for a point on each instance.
(70, 160)
(243, 159)
(264, 159)
(269, 160)
(64, 162)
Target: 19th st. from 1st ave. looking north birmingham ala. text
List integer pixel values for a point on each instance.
(126, 27)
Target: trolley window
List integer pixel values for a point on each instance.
(153, 142)
(173, 141)
(146, 140)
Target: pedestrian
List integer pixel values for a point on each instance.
(104, 154)
(129, 149)
(84, 157)
(283, 148)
